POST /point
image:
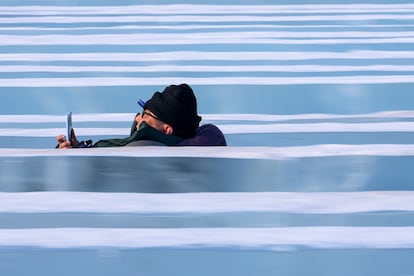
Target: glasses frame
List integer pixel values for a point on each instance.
(151, 115)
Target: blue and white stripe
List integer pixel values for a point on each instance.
(204, 29)
(317, 94)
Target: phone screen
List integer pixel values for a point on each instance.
(69, 126)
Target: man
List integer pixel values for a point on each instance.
(169, 118)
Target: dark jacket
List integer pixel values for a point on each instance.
(206, 135)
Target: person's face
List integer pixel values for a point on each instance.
(153, 121)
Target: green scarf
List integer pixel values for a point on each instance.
(145, 132)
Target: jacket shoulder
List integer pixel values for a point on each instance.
(206, 135)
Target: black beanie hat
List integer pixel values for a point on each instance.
(176, 106)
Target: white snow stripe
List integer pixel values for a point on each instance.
(205, 9)
(127, 81)
(229, 26)
(312, 68)
(309, 116)
(145, 203)
(271, 153)
(203, 18)
(278, 239)
(97, 117)
(201, 55)
(240, 34)
(319, 127)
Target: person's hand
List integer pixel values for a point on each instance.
(65, 144)
(138, 120)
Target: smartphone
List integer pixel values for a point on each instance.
(69, 126)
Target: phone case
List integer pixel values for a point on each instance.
(69, 126)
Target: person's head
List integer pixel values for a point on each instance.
(173, 111)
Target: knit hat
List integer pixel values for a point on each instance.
(176, 106)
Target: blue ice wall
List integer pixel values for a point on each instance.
(315, 100)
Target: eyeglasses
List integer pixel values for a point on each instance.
(151, 115)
